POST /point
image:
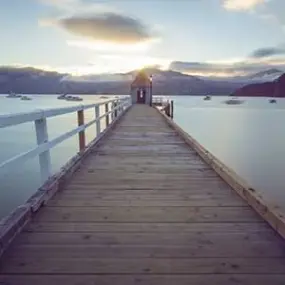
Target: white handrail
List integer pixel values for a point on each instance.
(160, 100)
(20, 118)
(118, 107)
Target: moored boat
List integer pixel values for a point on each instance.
(234, 101)
(73, 98)
(13, 95)
(26, 98)
(62, 97)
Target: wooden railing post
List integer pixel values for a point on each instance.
(171, 109)
(44, 158)
(106, 112)
(116, 110)
(98, 122)
(120, 107)
(81, 135)
(112, 109)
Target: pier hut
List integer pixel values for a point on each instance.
(141, 91)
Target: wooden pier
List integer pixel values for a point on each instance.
(145, 208)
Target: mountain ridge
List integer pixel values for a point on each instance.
(29, 80)
(265, 89)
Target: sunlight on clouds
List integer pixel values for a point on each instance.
(115, 64)
(126, 63)
(241, 4)
(112, 47)
(118, 63)
(226, 69)
(42, 67)
(47, 22)
(78, 70)
(228, 61)
(214, 74)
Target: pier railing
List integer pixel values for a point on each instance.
(164, 104)
(113, 108)
(160, 100)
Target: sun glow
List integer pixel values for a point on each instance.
(108, 63)
(115, 64)
(125, 63)
(112, 47)
(113, 57)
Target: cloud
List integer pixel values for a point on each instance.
(97, 21)
(268, 52)
(103, 46)
(239, 5)
(259, 60)
(110, 27)
(223, 69)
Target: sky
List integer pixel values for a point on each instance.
(199, 37)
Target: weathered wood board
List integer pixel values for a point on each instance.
(145, 209)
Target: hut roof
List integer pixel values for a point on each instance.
(141, 79)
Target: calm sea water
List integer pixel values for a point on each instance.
(249, 138)
(17, 186)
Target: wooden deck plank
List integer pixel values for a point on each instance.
(163, 186)
(148, 214)
(190, 193)
(138, 238)
(167, 279)
(191, 175)
(147, 227)
(145, 209)
(244, 249)
(85, 265)
(94, 201)
(146, 169)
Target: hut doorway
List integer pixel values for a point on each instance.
(141, 96)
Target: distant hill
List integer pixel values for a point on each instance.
(267, 75)
(275, 88)
(29, 80)
(165, 82)
(262, 76)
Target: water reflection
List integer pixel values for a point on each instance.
(249, 138)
